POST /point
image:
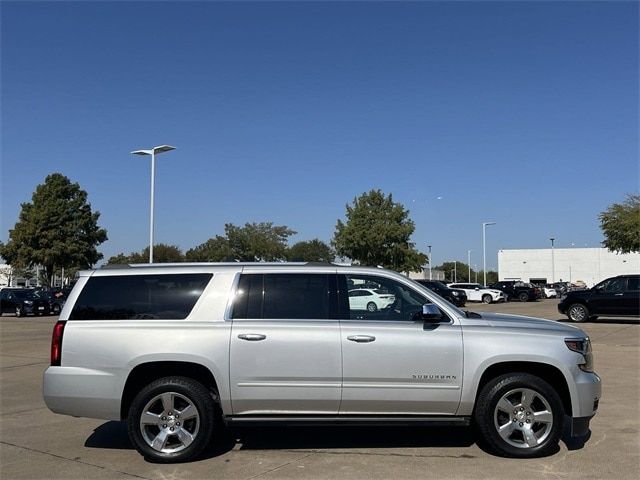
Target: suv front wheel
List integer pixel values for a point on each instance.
(171, 419)
(519, 415)
(578, 312)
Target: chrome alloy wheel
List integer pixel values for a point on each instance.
(523, 418)
(169, 422)
(577, 313)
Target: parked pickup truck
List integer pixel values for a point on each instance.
(515, 290)
(182, 351)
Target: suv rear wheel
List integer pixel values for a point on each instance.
(523, 297)
(486, 298)
(519, 415)
(171, 419)
(578, 312)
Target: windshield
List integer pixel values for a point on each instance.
(23, 294)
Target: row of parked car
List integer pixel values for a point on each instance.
(32, 301)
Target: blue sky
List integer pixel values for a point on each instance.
(521, 113)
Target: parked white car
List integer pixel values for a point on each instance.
(549, 292)
(369, 299)
(478, 293)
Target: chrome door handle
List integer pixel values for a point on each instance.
(618, 294)
(252, 337)
(361, 338)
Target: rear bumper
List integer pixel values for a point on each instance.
(82, 392)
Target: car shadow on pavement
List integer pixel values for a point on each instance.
(265, 438)
(113, 435)
(605, 320)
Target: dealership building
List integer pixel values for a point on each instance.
(546, 265)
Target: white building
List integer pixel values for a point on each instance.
(541, 265)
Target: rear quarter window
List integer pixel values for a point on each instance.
(128, 297)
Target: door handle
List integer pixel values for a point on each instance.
(361, 338)
(252, 337)
(618, 294)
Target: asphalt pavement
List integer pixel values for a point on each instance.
(37, 444)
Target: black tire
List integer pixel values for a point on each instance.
(488, 417)
(372, 307)
(19, 312)
(198, 395)
(523, 296)
(486, 298)
(578, 312)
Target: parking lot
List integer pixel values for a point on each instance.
(39, 444)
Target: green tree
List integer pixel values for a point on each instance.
(255, 242)
(162, 253)
(56, 229)
(461, 268)
(377, 232)
(620, 224)
(310, 251)
(216, 249)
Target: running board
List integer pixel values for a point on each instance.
(345, 420)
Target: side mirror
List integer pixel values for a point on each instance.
(431, 313)
(477, 288)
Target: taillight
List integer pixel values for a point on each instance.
(56, 343)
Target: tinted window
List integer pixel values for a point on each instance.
(398, 302)
(139, 297)
(634, 283)
(283, 296)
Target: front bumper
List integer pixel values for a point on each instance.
(580, 426)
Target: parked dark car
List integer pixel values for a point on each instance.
(516, 290)
(617, 296)
(55, 298)
(22, 302)
(454, 295)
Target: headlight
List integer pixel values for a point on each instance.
(28, 302)
(583, 347)
(455, 294)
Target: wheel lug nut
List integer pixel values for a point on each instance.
(164, 418)
(178, 423)
(177, 416)
(164, 425)
(520, 425)
(515, 419)
(515, 411)
(172, 428)
(528, 413)
(528, 421)
(522, 409)
(170, 413)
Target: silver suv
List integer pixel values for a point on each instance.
(181, 351)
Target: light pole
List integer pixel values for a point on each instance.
(484, 249)
(455, 271)
(553, 263)
(469, 264)
(152, 152)
(429, 246)
(475, 267)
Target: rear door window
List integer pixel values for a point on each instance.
(283, 296)
(127, 297)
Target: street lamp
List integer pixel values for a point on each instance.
(469, 264)
(152, 152)
(429, 262)
(553, 263)
(484, 249)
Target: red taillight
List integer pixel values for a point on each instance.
(56, 343)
